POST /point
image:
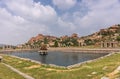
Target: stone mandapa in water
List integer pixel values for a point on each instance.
(43, 50)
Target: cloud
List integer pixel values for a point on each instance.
(22, 19)
(101, 13)
(64, 5)
(96, 15)
(31, 10)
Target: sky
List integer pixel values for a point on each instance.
(22, 19)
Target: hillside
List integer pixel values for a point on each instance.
(108, 34)
(53, 41)
(111, 34)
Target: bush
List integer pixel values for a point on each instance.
(118, 38)
(89, 42)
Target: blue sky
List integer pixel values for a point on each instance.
(22, 19)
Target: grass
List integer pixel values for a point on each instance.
(6, 73)
(92, 70)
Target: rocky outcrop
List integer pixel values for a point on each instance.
(41, 37)
(74, 35)
(106, 34)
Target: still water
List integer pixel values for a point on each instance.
(59, 58)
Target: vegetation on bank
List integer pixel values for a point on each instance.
(6, 73)
(93, 70)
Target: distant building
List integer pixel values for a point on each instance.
(110, 44)
(81, 42)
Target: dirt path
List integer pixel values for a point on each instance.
(116, 71)
(19, 72)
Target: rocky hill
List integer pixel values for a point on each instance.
(41, 37)
(108, 34)
(53, 41)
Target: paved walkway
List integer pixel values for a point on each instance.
(20, 73)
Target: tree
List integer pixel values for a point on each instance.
(89, 42)
(118, 38)
(74, 41)
(56, 44)
(45, 41)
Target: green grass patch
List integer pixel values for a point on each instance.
(93, 70)
(6, 73)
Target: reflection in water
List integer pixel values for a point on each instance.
(75, 57)
(43, 58)
(59, 58)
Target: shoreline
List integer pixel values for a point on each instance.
(85, 69)
(16, 50)
(69, 49)
(85, 50)
(68, 67)
(89, 61)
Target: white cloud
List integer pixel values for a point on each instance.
(64, 5)
(31, 10)
(100, 4)
(66, 25)
(22, 19)
(99, 14)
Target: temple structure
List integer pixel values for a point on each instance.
(43, 50)
(110, 44)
